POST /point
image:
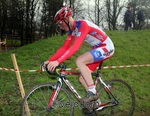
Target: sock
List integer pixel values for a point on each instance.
(92, 88)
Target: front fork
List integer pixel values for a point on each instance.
(54, 94)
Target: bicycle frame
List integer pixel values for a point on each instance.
(62, 79)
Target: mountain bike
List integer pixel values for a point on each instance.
(55, 99)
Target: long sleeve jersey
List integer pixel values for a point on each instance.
(84, 31)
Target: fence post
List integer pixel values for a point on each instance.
(20, 82)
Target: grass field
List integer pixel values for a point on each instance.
(132, 47)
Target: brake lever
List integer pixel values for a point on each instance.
(63, 66)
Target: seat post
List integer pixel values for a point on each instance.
(99, 67)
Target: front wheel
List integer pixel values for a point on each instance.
(123, 93)
(36, 101)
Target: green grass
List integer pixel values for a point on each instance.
(132, 47)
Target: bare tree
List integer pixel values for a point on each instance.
(98, 12)
(12, 17)
(30, 7)
(3, 16)
(49, 9)
(32, 19)
(113, 8)
(106, 12)
(77, 7)
(95, 11)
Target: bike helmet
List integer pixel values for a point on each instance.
(62, 14)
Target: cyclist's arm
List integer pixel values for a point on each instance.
(82, 32)
(62, 49)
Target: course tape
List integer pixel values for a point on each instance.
(103, 67)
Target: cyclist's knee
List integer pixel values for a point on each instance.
(78, 62)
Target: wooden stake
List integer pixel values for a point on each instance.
(20, 82)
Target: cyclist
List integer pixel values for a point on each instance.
(79, 31)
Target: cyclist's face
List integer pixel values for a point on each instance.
(63, 25)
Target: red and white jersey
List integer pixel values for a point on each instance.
(84, 31)
(93, 34)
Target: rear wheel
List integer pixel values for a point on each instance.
(38, 98)
(123, 94)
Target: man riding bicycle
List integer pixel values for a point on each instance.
(79, 31)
